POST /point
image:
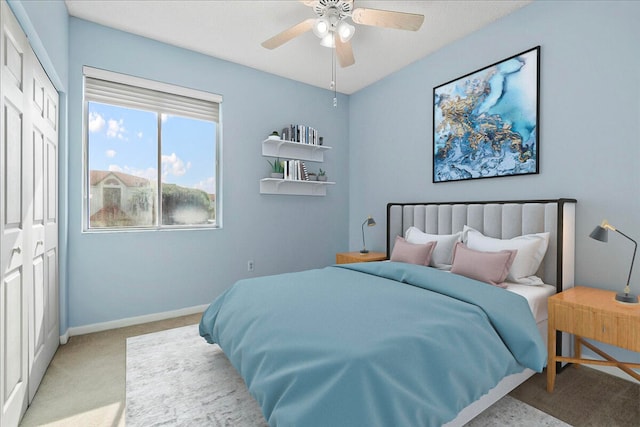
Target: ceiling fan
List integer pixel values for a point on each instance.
(332, 28)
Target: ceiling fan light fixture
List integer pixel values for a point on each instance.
(345, 31)
(328, 41)
(321, 27)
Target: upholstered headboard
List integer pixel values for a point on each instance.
(499, 219)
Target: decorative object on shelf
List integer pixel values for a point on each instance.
(277, 169)
(335, 32)
(370, 222)
(498, 133)
(321, 140)
(312, 176)
(322, 175)
(601, 233)
(274, 135)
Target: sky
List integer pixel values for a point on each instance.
(126, 140)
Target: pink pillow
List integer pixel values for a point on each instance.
(488, 267)
(412, 253)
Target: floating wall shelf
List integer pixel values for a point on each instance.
(293, 150)
(293, 187)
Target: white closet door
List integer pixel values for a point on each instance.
(43, 316)
(15, 257)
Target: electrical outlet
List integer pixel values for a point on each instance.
(250, 265)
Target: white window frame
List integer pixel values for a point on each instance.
(210, 109)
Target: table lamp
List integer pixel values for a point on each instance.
(601, 233)
(370, 222)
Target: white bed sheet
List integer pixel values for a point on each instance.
(536, 296)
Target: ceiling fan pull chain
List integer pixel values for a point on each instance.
(333, 76)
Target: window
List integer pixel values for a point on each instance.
(151, 154)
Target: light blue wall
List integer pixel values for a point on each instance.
(120, 275)
(589, 134)
(589, 128)
(46, 24)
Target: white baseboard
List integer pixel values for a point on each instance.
(130, 321)
(64, 338)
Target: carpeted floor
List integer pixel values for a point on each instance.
(84, 385)
(585, 397)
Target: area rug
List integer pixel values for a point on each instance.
(174, 378)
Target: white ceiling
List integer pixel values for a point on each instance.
(233, 30)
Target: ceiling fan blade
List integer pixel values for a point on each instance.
(388, 19)
(288, 34)
(344, 52)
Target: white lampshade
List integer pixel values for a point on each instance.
(328, 41)
(345, 31)
(321, 27)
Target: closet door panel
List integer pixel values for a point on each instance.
(39, 293)
(38, 304)
(44, 329)
(15, 255)
(52, 315)
(14, 381)
(13, 166)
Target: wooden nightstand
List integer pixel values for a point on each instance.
(349, 257)
(594, 314)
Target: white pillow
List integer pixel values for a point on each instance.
(442, 256)
(531, 249)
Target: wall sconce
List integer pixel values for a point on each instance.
(370, 222)
(601, 233)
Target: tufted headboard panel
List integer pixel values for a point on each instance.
(499, 219)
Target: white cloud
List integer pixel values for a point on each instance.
(96, 122)
(173, 165)
(110, 153)
(208, 185)
(116, 129)
(150, 173)
(139, 135)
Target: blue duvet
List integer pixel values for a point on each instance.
(371, 344)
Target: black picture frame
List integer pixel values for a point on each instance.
(486, 123)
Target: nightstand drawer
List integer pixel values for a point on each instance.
(587, 323)
(607, 327)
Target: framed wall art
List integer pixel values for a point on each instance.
(485, 123)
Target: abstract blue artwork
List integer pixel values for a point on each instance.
(485, 124)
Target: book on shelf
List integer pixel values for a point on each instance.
(295, 170)
(301, 134)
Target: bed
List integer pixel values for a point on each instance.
(399, 342)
